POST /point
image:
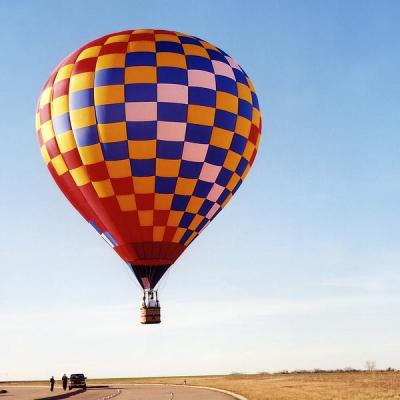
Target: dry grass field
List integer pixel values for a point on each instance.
(294, 386)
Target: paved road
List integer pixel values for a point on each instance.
(128, 392)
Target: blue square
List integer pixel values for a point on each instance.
(142, 130)
(216, 55)
(110, 76)
(240, 77)
(115, 151)
(190, 169)
(255, 100)
(202, 188)
(224, 176)
(81, 99)
(198, 133)
(141, 92)
(202, 224)
(172, 75)
(140, 59)
(169, 150)
(241, 166)
(225, 120)
(202, 96)
(186, 220)
(223, 196)
(245, 109)
(189, 40)
(206, 207)
(180, 202)
(199, 63)
(109, 113)
(143, 167)
(216, 155)
(185, 236)
(173, 112)
(170, 47)
(62, 123)
(234, 190)
(86, 136)
(225, 84)
(238, 144)
(165, 185)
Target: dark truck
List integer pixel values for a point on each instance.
(77, 381)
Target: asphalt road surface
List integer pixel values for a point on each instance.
(127, 392)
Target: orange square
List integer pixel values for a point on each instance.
(127, 202)
(243, 126)
(194, 50)
(232, 160)
(174, 218)
(163, 201)
(194, 204)
(244, 92)
(166, 59)
(167, 168)
(221, 138)
(142, 149)
(167, 37)
(144, 184)
(233, 181)
(140, 75)
(185, 186)
(201, 115)
(145, 217)
(227, 102)
(141, 46)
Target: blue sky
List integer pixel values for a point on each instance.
(299, 271)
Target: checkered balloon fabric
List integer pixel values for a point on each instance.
(148, 133)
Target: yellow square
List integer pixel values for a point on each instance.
(233, 181)
(167, 168)
(142, 149)
(59, 106)
(221, 138)
(140, 75)
(244, 92)
(145, 217)
(243, 126)
(174, 218)
(141, 46)
(47, 131)
(227, 102)
(256, 120)
(111, 94)
(80, 176)
(194, 50)
(163, 201)
(127, 202)
(232, 160)
(59, 165)
(119, 168)
(82, 81)
(90, 52)
(166, 37)
(158, 233)
(201, 115)
(185, 186)
(64, 72)
(118, 38)
(82, 117)
(91, 154)
(45, 154)
(37, 121)
(45, 97)
(194, 204)
(116, 60)
(113, 132)
(178, 235)
(103, 188)
(144, 184)
(166, 59)
(66, 141)
(196, 222)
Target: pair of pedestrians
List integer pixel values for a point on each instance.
(64, 382)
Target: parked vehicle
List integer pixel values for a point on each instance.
(77, 381)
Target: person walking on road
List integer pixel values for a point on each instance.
(52, 382)
(64, 381)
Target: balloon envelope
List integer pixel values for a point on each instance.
(148, 133)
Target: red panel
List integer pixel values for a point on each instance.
(113, 48)
(147, 235)
(72, 159)
(85, 65)
(161, 217)
(52, 147)
(44, 113)
(145, 201)
(252, 158)
(98, 171)
(169, 233)
(122, 185)
(61, 88)
(254, 134)
(143, 36)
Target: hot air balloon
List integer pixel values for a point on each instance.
(149, 134)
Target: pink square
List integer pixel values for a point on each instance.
(209, 172)
(141, 111)
(173, 131)
(194, 151)
(221, 68)
(215, 192)
(171, 93)
(213, 210)
(233, 63)
(201, 79)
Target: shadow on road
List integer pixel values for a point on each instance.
(62, 396)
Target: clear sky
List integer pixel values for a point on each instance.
(300, 270)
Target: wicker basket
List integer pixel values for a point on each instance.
(150, 315)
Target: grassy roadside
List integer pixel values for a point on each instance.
(294, 386)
